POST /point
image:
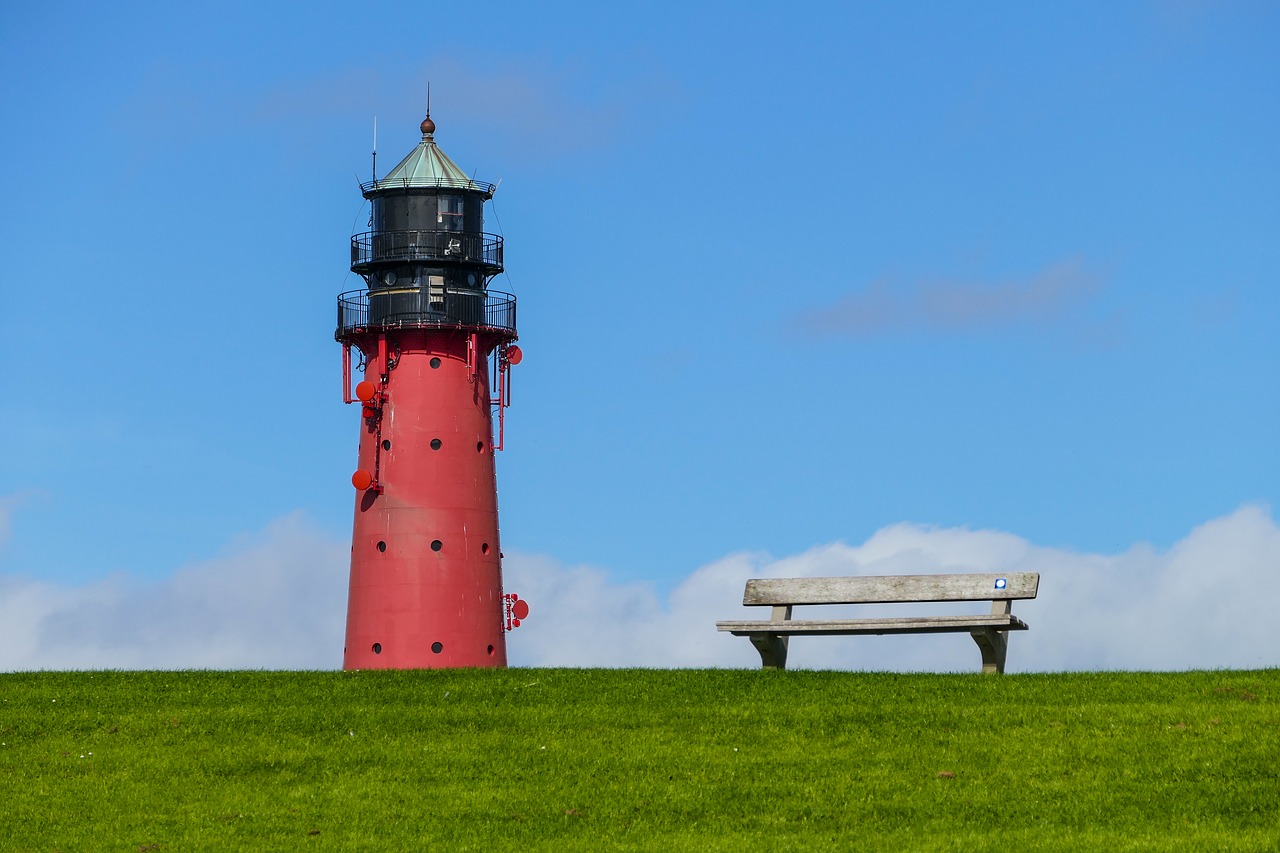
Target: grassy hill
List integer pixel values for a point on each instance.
(638, 759)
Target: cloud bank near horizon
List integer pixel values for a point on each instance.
(274, 600)
(277, 600)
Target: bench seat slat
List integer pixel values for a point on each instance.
(913, 625)
(892, 589)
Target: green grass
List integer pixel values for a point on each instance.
(645, 760)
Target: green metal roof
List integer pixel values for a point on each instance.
(427, 166)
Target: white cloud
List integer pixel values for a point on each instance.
(277, 600)
(1060, 295)
(274, 601)
(9, 504)
(535, 109)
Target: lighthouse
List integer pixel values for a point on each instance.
(435, 346)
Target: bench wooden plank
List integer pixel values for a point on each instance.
(892, 589)
(990, 631)
(905, 625)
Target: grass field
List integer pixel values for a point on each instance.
(638, 759)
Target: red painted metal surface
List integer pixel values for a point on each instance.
(426, 575)
(436, 347)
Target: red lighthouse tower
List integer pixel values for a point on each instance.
(436, 347)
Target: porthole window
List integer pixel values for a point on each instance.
(435, 444)
(436, 544)
(435, 363)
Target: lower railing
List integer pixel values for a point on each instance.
(359, 310)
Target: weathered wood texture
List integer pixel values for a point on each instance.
(772, 649)
(994, 646)
(912, 625)
(990, 632)
(890, 589)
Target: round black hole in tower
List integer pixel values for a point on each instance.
(437, 647)
(484, 548)
(377, 648)
(386, 444)
(435, 444)
(382, 546)
(491, 650)
(436, 544)
(435, 362)
(479, 447)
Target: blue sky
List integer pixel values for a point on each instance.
(786, 278)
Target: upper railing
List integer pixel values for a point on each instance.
(440, 181)
(377, 246)
(364, 310)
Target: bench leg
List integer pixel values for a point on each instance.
(772, 649)
(994, 645)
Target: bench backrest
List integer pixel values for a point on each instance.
(892, 588)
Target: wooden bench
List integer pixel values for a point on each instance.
(989, 631)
